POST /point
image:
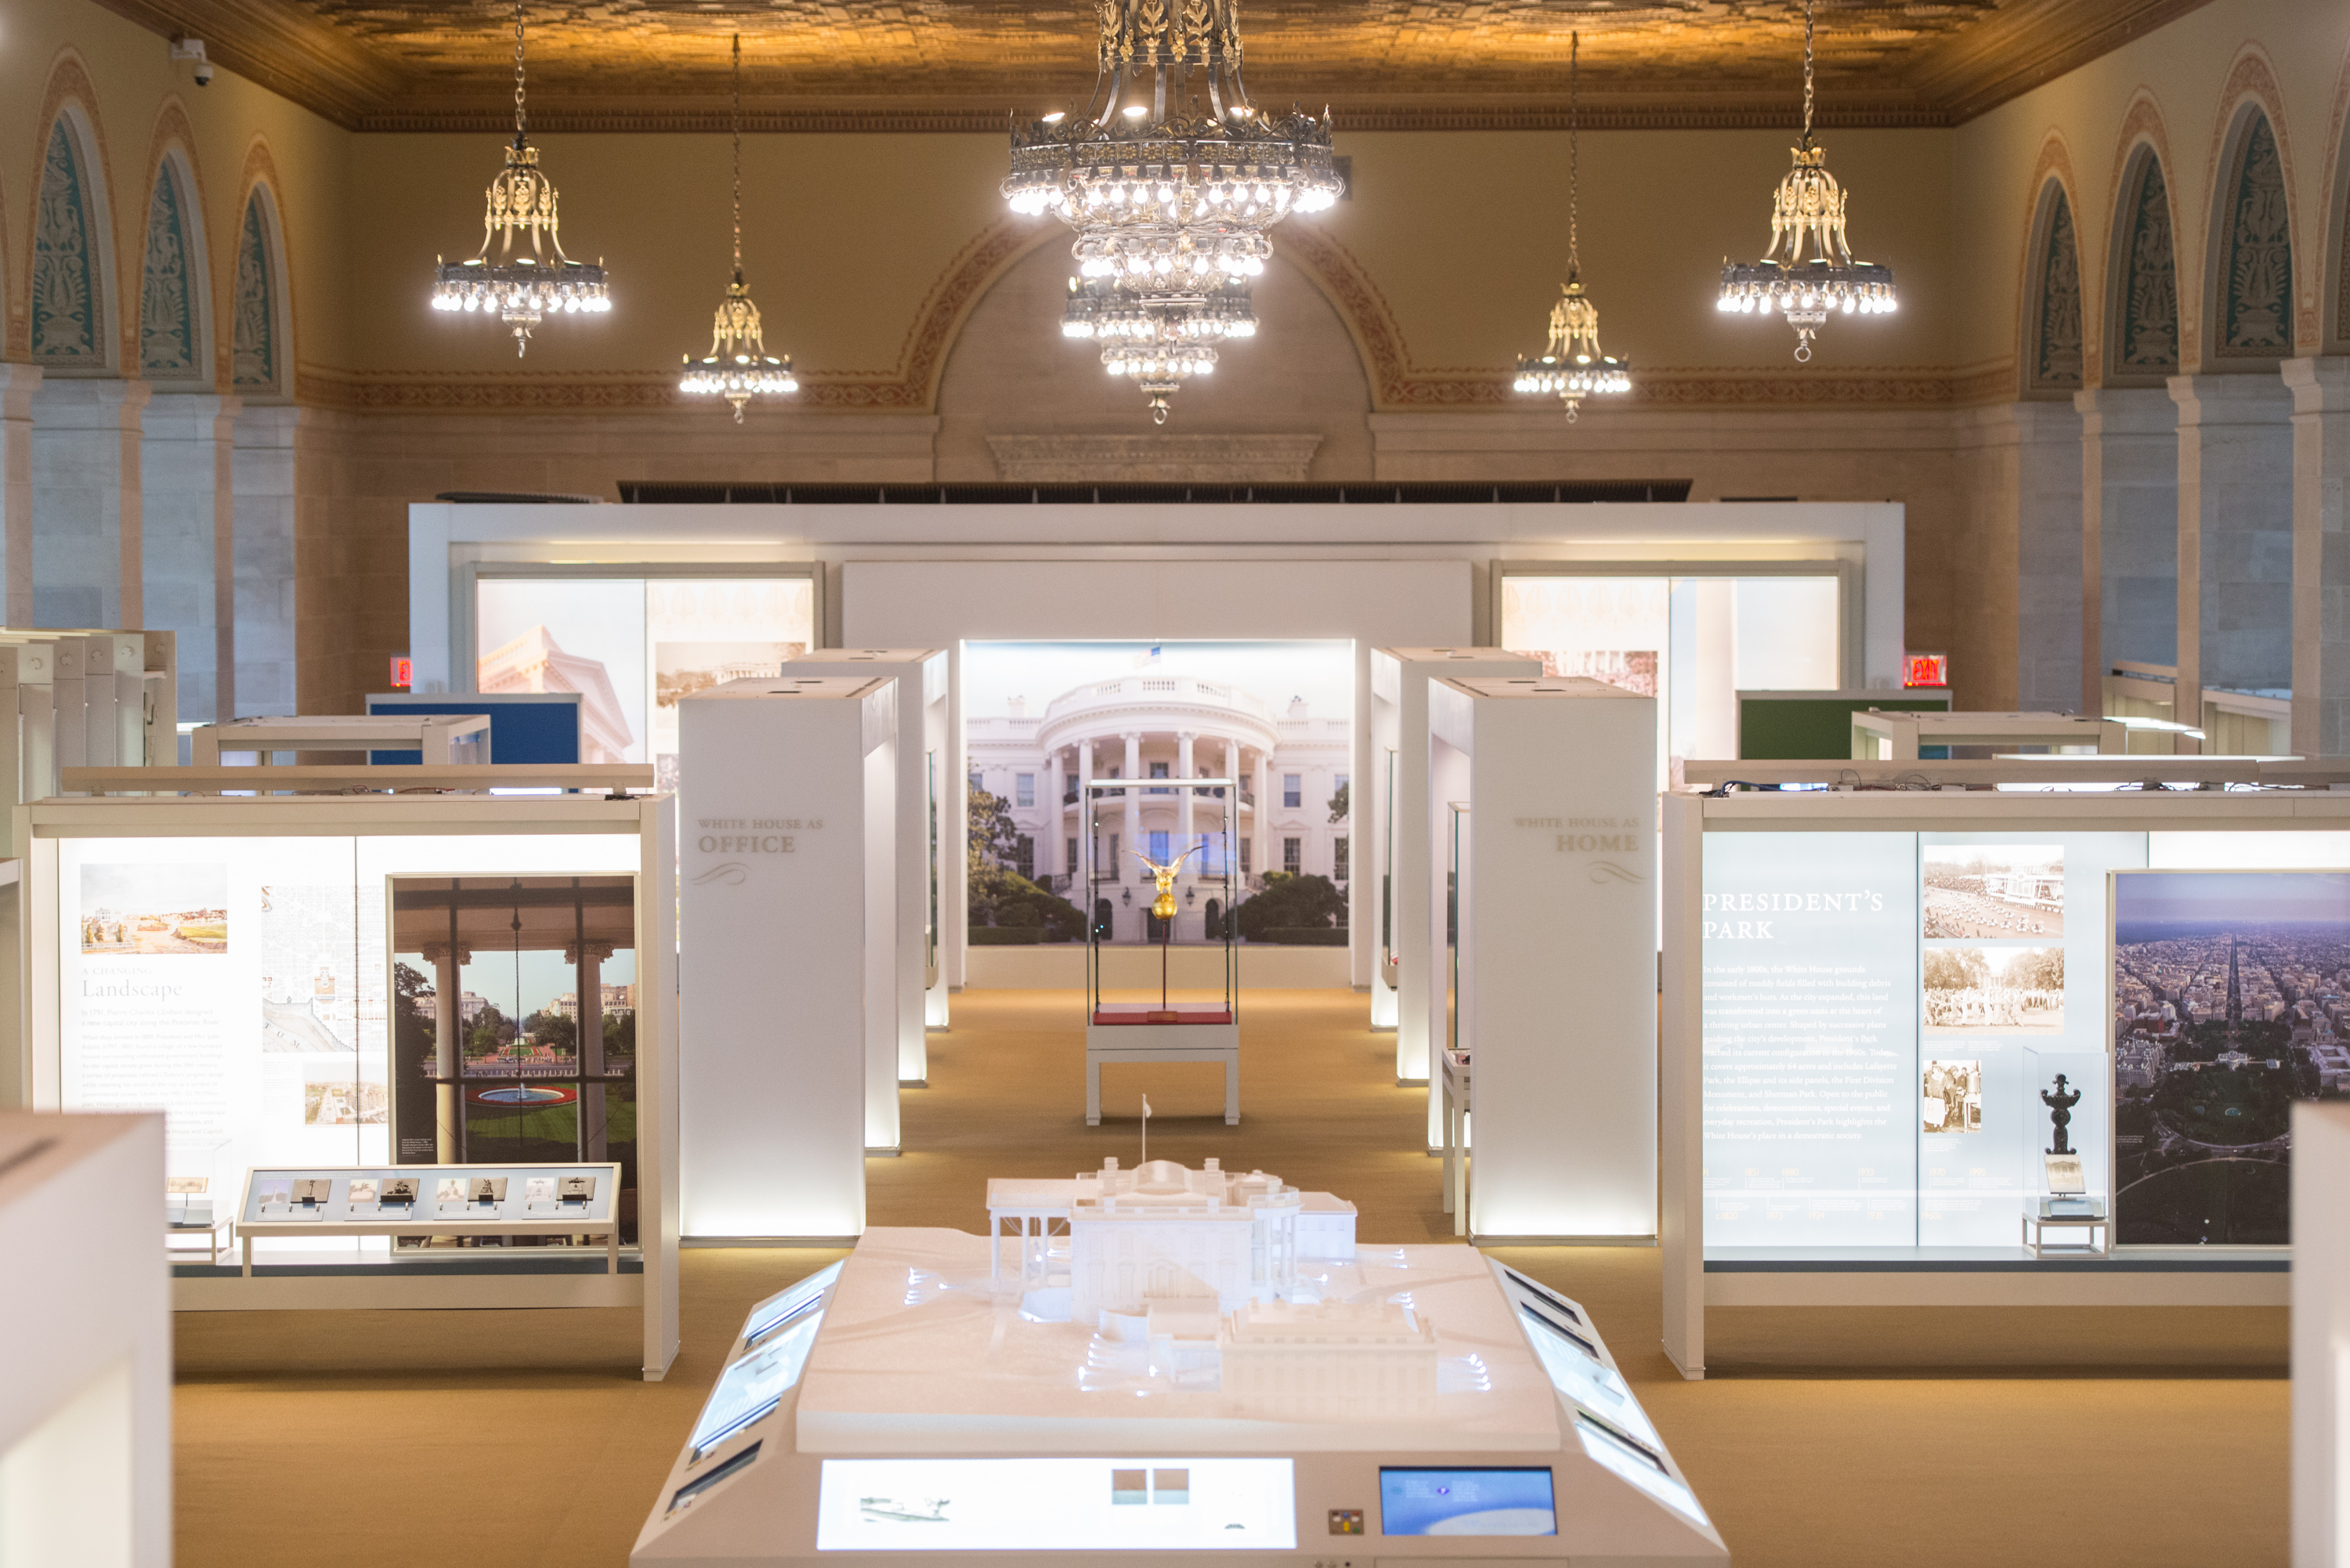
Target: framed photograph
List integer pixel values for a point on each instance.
(362, 1190)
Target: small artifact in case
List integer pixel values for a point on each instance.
(361, 1192)
(399, 1190)
(575, 1189)
(312, 1191)
(488, 1190)
(448, 1193)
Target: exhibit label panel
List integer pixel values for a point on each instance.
(1903, 1031)
(251, 989)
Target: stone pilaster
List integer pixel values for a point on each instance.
(17, 384)
(263, 578)
(2321, 555)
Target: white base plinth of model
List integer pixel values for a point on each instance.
(937, 1397)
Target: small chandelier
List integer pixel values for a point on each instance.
(1809, 207)
(738, 367)
(1571, 364)
(1171, 194)
(520, 288)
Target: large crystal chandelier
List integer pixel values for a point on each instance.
(1809, 208)
(738, 367)
(521, 204)
(1170, 178)
(1571, 365)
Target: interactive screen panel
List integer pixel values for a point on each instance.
(1057, 1505)
(756, 1383)
(1416, 1501)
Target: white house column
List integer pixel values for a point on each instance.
(2129, 531)
(86, 502)
(18, 383)
(2321, 555)
(187, 533)
(587, 959)
(1183, 769)
(1261, 829)
(2235, 535)
(447, 959)
(1133, 839)
(1055, 768)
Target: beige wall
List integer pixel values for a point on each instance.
(922, 318)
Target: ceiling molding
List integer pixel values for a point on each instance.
(641, 66)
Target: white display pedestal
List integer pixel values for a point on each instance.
(1896, 737)
(1556, 964)
(934, 1421)
(789, 923)
(1217, 1042)
(86, 1407)
(446, 739)
(927, 833)
(2320, 1335)
(1403, 995)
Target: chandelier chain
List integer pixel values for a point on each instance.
(1807, 73)
(521, 118)
(738, 156)
(1574, 153)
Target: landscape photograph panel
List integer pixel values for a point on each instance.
(2228, 1005)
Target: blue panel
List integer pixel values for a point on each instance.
(531, 727)
(1429, 1501)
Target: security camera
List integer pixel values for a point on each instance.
(193, 49)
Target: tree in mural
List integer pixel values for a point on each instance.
(2058, 361)
(167, 326)
(253, 347)
(2257, 314)
(65, 328)
(2150, 291)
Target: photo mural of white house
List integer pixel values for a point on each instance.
(1277, 716)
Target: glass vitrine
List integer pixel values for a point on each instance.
(1160, 869)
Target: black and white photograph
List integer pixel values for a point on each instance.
(1994, 892)
(1951, 1098)
(1994, 991)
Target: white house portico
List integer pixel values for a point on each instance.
(1159, 724)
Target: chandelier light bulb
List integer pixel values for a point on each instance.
(1571, 367)
(1170, 178)
(1808, 271)
(738, 367)
(521, 284)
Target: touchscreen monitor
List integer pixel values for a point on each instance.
(1483, 1501)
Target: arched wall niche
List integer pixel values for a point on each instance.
(2055, 347)
(1016, 400)
(259, 331)
(2252, 267)
(175, 314)
(2142, 325)
(73, 307)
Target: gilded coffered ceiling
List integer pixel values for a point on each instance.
(963, 64)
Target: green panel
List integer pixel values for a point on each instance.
(167, 313)
(64, 295)
(2149, 302)
(253, 349)
(2256, 284)
(1809, 729)
(2056, 355)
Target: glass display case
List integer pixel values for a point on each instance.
(1163, 874)
(1151, 854)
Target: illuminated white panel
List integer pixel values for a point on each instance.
(1056, 1505)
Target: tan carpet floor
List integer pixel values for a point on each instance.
(523, 1440)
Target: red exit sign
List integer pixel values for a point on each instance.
(403, 674)
(1927, 670)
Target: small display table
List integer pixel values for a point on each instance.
(2093, 1223)
(1139, 1032)
(1454, 1086)
(444, 739)
(444, 1203)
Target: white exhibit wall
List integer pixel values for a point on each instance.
(86, 1407)
(2320, 1336)
(1401, 677)
(922, 756)
(1557, 923)
(787, 834)
(926, 576)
